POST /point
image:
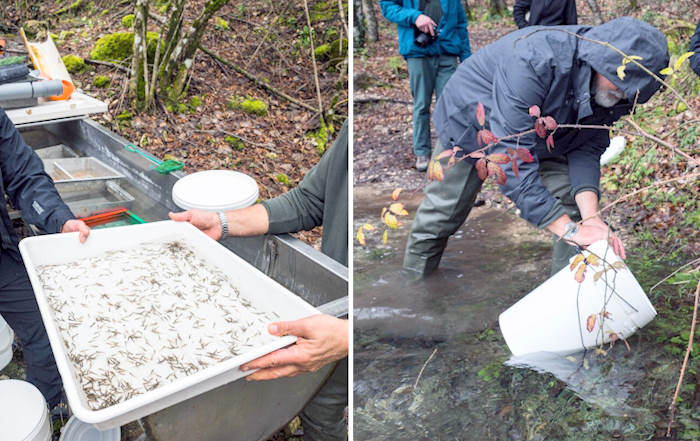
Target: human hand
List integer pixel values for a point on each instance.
(321, 339)
(206, 221)
(593, 230)
(74, 225)
(426, 24)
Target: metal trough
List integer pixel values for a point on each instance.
(246, 411)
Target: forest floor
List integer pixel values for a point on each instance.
(270, 40)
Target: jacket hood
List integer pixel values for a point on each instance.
(633, 37)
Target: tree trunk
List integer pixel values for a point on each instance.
(497, 7)
(595, 9)
(137, 85)
(359, 26)
(371, 20)
(173, 77)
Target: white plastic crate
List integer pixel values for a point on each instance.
(252, 284)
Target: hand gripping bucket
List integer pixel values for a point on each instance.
(564, 315)
(6, 338)
(23, 412)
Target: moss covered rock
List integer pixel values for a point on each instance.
(118, 46)
(282, 179)
(101, 81)
(74, 64)
(125, 116)
(255, 107)
(323, 51)
(128, 21)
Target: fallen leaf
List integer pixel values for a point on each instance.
(396, 193)
(391, 221)
(397, 209)
(361, 237)
(590, 322)
(368, 227)
(385, 237)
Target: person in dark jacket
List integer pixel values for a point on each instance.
(320, 199)
(571, 80)
(444, 25)
(31, 190)
(545, 13)
(695, 47)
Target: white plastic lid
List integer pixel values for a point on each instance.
(76, 430)
(22, 410)
(215, 190)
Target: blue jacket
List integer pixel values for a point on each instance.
(30, 189)
(453, 38)
(695, 47)
(553, 70)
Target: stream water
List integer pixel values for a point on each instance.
(430, 362)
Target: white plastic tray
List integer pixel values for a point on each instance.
(259, 289)
(78, 104)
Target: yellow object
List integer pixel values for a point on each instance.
(46, 58)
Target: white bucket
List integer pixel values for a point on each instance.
(565, 316)
(617, 145)
(6, 338)
(23, 412)
(215, 190)
(76, 430)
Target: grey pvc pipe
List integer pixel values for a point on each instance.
(34, 89)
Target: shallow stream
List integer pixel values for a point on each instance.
(431, 364)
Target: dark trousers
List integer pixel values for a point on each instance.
(19, 309)
(427, 75)
(323, 418)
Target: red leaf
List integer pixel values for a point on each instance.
(444, 154)
(516, 172)
(477, 155)
(539, 128)
(535, 111)
(438, 173)
(524, 155)
(590, 322)
(550, 123)
(510, 151)
(498, 158)
(498, 172)
(481, 168)
(480, 114)
(479, 140)
(487, 137)
(580, 273)
(550, 143)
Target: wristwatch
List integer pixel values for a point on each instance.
(570, 230)
(224, 224)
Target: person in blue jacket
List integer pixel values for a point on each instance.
(574, 81)
(433, 39)
(695, 47)
(31, 190)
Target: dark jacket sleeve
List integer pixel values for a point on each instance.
(516, 87)
(584, 162)
(520, 8)
(466, 50)
(695, 47)
(30, 189)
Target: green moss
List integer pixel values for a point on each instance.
(195, 102)
(175, 107)
(64, 35)
(234, 142)
(254, 107)
(54, 37)
(128, 21)
(104, 12)
(323, 50)
(323, 11)
(101, 81)
(336, 46)
(221, 24)
(321, 137)
(282, 179)
(125, 116)
(75, 6)
(118, 46)
(74, 64)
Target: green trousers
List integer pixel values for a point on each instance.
(323, 418)
(447, 204)
(427, 75)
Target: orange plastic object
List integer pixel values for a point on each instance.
(104, 217)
